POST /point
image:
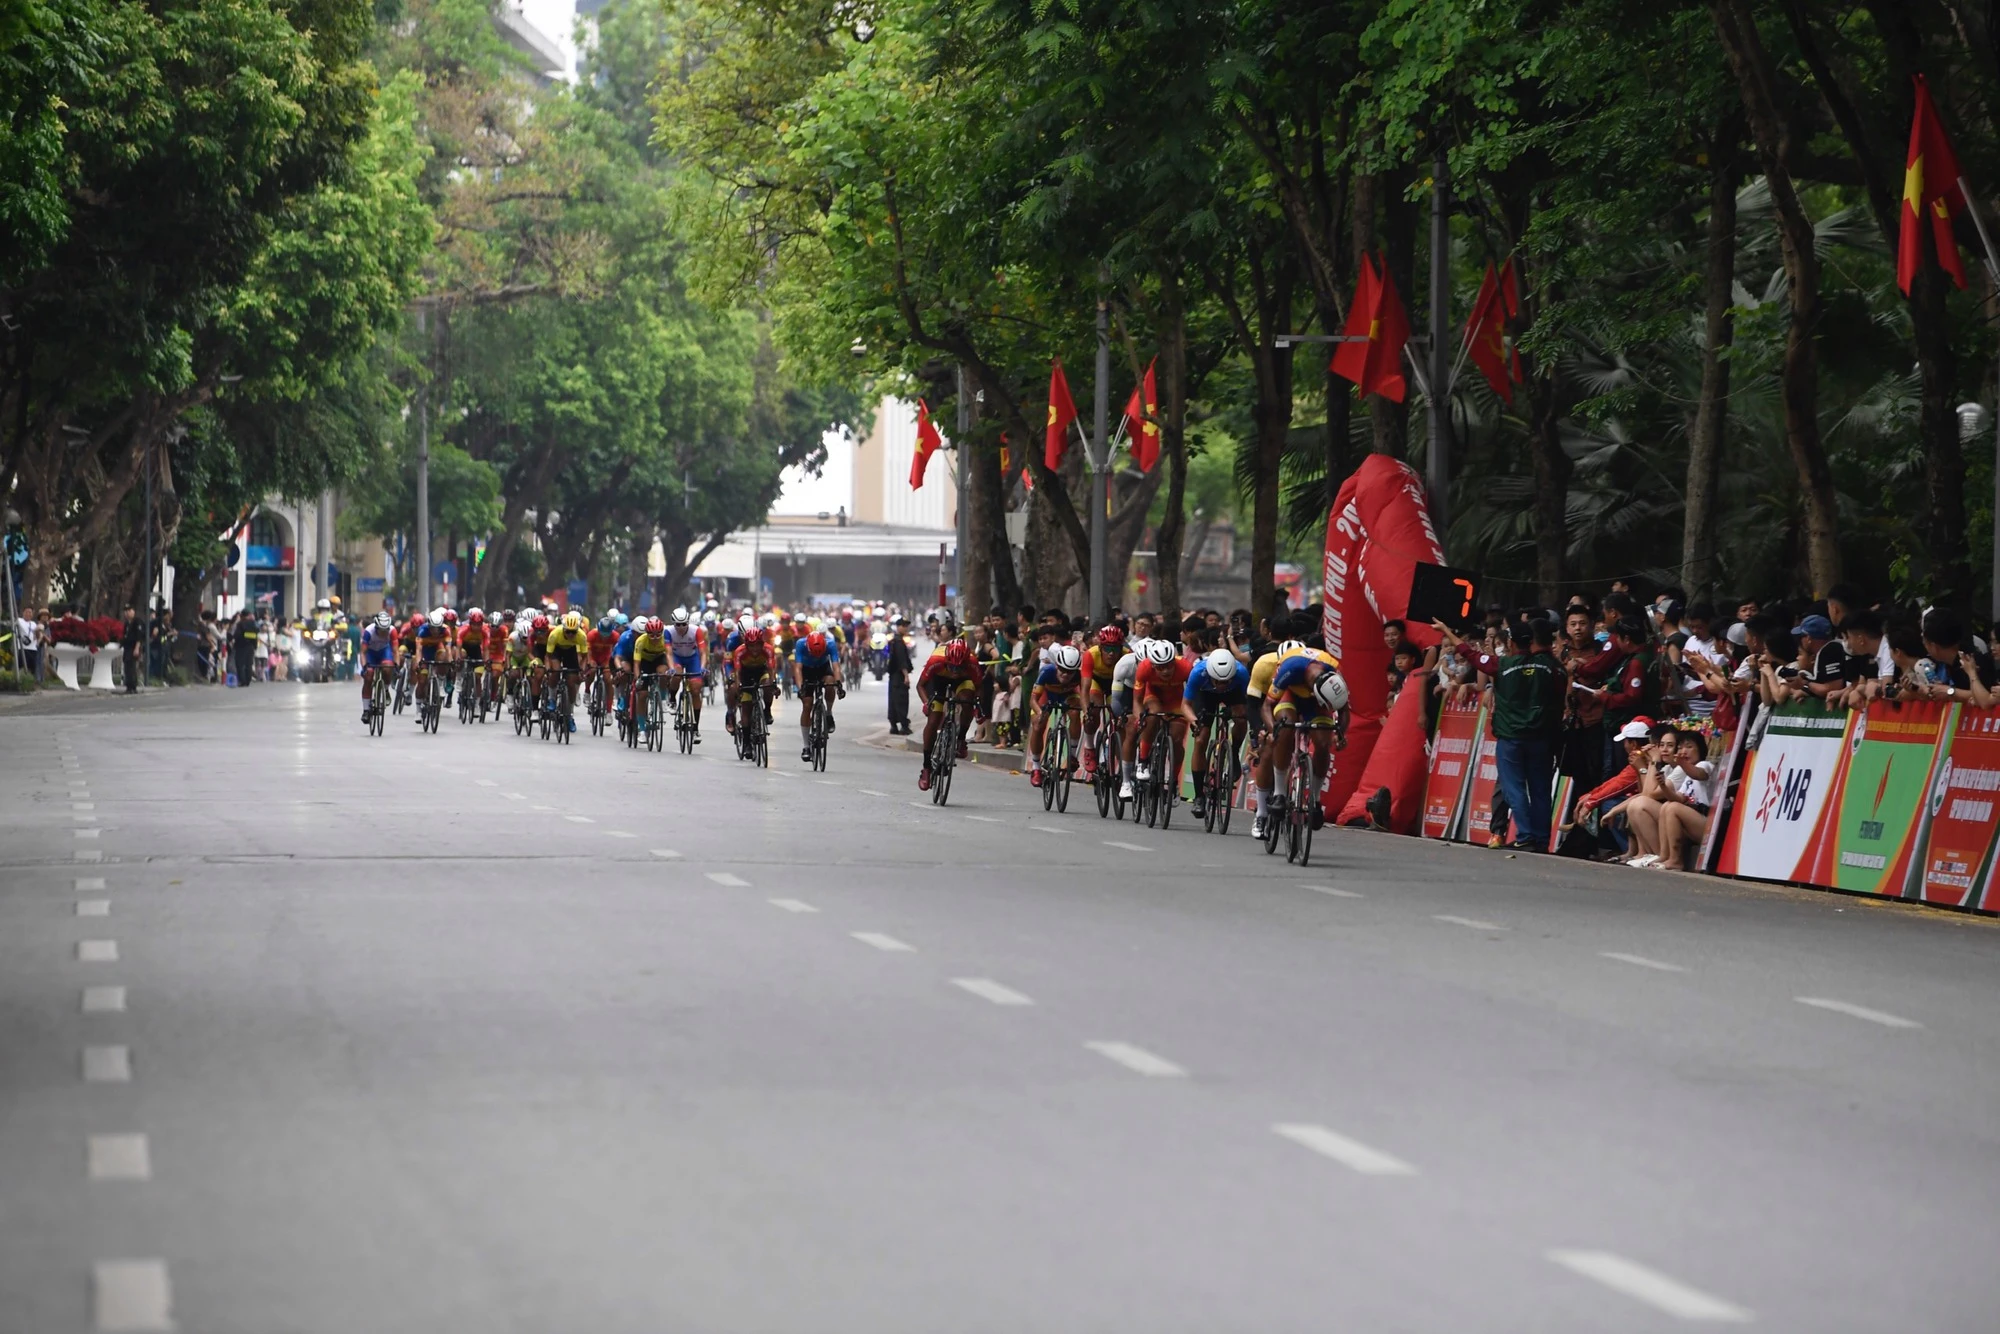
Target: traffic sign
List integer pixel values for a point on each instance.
(444, 572)
(17, 550)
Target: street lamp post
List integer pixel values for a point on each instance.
(423, 481)
(1100, 469)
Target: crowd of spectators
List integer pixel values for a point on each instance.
(1631, 699)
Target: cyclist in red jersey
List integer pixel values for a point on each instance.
(1158, 687)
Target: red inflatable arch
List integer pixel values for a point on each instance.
(1377, 534)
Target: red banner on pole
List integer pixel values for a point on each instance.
(1451, 767)
(1956, 865)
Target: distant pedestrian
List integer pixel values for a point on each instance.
(132, 644)
(900, 667)
(243, 647)
(28, 638)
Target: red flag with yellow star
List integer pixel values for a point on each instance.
(1486, 331)
(1371, 353)
(1062, 411)
(1930, 195)
(928, 443)
(1141, 410)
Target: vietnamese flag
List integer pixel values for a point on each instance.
(1930, 191)
(1062, 411)
(1140, 426)
(1376, 331)
(928, 443)
(1498, 302)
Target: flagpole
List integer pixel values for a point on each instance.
(1439, 390)
(1099, 457)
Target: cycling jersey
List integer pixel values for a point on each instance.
(601, 644)
(1163, 683)
(1051, 682)
(538, 642)
(1261, 672)
(429, 640)
(472, 639)
(965, 679)
(567, 644)
(1101, 664)
(622, 650)
(1203, 690)
(812, 665)
(686, 643)
(378, 647)
(649, 648)
(1293, 676)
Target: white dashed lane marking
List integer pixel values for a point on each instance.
(1881, 1017)
(107, 1065)
(1331, 892)
(97, 951)
(87, 833)
(985, 819)
(579, 819)
(1655, 1289)
(1641, 961)
(793, 905)
(618, 833)
(732, 881)
(1129, 847)
(1472, 922)
(132, 1296)
(93, 907)
(987, 989)
(873, 793)
(1347, 1152)
(1138, 1060)
(667, 854)
(90, 882)
(514, 796)
(104, 1000)
(1049, 829)
(485, 782)
(882, 942)
(83, 805)
(120, 1158)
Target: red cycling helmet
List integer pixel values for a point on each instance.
(450, 616)
(541, 623)
(1111, 636)
(477, 618)
(956, 654)
(654, 625)
(816, 643)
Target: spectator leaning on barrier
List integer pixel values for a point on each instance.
(1867, 651)
(1527, 721)
(1949, 671)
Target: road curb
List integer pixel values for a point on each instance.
(909, 745)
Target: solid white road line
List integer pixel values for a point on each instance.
(986, 819)
(97, 951)
(1642, 961)
(882, 942)
(725, 878)
(1650, 1286)
(90, 882)
(1049, 829)
(579, 819)
(104, 1000)
(987, 989)
(1881, 1017)
(107, 1065)
(1472, 922)
(793, 905)
(1331, 892)
(89, 855)
(667, 854)
(1138, 1059)
(93, 907)
(120, 1158)
(131, 1296)
(1129, 847)
(1347, 1152)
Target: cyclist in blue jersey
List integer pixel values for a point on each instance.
(378, 650)
(1218, 684)
(815, 669)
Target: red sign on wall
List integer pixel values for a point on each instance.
(1956, 867)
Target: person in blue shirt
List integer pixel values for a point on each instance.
(378, 650)
(815, 670)
(621, 661)
(1217, 684)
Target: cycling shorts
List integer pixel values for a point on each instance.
(688, 666)
(568, 659)
(815, 673)
(650, 667)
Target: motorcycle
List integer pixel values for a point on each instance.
(878, 654)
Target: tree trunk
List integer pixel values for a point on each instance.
(1552, 473)
(1173, 446)
(1704, 469)
(1339, 421)
(982, 482)
(1736, 25)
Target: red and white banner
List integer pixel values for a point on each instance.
(1955, 867)
(1781, 806)
(1451, 767)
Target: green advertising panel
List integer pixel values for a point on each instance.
(1894, 749)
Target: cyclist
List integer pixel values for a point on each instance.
(1307, 692)
(1217, 685)
(1056, 687)
(449, 658)
(378, 653)
(1261, 672)
(689, 645)
(649, 653)
(537, 640)
(1101, 662)
(565, 649)
(427, 641)
(816, 671)
(603, 638)
(750, 667)
(950, 678)
(1158, 684)
(472, 648)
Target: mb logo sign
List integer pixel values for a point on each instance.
(1784, 795)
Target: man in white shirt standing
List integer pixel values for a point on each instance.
(28, 638)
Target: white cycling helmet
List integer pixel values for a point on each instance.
(680, 615)
(1221, 666)
(769, 620)
(1065, 658)
(1291, 646)
(437, 616)
(382, 621)
(1331, 691)
(1161, 652)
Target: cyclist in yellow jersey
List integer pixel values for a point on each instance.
(1100, 669)
(1262, 672)
(568, 644)
(649, 660)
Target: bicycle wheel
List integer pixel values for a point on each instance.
(1061, 776)
(1225, 793)
(1308, 806)
(1101, 785)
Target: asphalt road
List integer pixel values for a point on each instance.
(304, 1031)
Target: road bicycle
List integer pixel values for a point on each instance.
(471, 695)
(685, 700)
(1104, 778)
(523, 704)
(1058, 755)
(594, 702)
(556, 705)
(1219, 779)
(378, 700)
(944, 755)
(1302, 814)
(430, 702)
(1161, 789)
(819, 725)
(753, 741)
(403, 672)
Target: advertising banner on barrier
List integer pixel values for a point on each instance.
(1484, 785)
(1956, 865)
(1781, 805)
(1893, 751)
(1450, 775)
